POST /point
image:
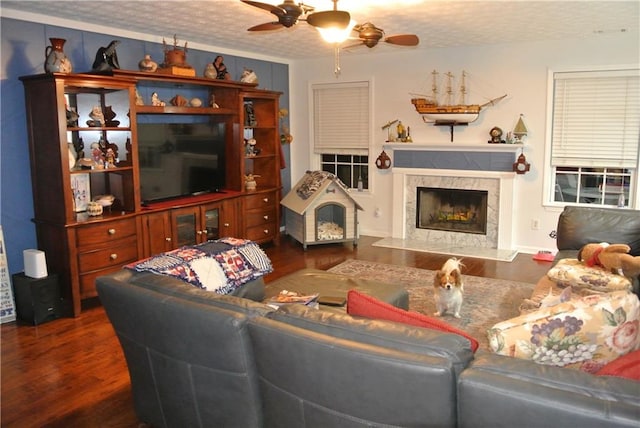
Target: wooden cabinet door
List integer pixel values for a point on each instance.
(185, 226)
(156, 229)
(230, 218)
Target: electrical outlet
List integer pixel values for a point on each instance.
(535, 224)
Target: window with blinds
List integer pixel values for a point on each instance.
(595, 136)
(596, 111)
(341, 130)
(341, 117)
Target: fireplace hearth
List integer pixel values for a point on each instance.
(453, 210)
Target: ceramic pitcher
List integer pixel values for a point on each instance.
(56, 60)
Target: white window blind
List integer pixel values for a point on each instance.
(341, 118)
(596, 119)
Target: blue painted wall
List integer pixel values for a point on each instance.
(23, 53)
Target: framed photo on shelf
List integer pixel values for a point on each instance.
(81, 188)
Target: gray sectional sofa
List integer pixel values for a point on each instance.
(199, 359)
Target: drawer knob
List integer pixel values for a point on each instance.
(266, 231)
(266, 217)
(167, 239)
(113, 256)
(265, 199)
(226, 225)
(111, 231)
(199, 232)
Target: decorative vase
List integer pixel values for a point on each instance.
(56, 60)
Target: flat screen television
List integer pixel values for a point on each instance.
(180, 159)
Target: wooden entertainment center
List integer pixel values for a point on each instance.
(71, 166)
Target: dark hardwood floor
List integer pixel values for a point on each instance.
(71, 372)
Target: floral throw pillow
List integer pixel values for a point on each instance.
(572, 272)
(584, 334)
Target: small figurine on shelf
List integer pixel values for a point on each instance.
(221, 69)
(97, 155)
(156, 101)
(250, 182)
(250, 147)
(72, 117)
(78, 145)
(212, 101)
(402, 133)
(147, 64)
(97, 117)
(249, 76)
(139, 99)
(107, 58)
(249, 115)
(110, 158)
(109, 116)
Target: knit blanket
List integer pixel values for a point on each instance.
(220, 266)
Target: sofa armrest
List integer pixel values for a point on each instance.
(503, 391)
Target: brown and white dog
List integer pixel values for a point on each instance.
(448, 288)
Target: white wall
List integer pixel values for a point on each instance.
(518, 70)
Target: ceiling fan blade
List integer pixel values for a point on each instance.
(330, 18)
(266, 6)
(403, 40)
(353, 45)
(268, 26)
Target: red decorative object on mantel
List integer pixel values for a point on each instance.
(521, 166)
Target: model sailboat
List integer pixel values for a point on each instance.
(448, 112)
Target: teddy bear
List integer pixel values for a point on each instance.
(612, 257)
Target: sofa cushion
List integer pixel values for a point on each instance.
(585, 334)
(360, 304)
(627, 366)
(576, 274)
(400, 337)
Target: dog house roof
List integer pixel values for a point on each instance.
(312, 186)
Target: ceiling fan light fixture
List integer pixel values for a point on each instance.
(336, 34)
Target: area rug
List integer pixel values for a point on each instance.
(486, 300)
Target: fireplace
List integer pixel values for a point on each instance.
(453, 210)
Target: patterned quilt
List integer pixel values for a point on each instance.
(220, 266)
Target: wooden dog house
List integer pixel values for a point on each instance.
(320, 210)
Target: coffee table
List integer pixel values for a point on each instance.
(310, 281)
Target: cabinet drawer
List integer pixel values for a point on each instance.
(88, 280)
(262, 232)
(117, 254)
(260, 201)
(105, 232)
(258, 217)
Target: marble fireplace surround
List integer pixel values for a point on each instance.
(473, 167)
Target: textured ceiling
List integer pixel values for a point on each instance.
(438, 23)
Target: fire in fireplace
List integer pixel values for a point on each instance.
(452, 210)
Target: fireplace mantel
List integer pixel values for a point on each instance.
(509, 148)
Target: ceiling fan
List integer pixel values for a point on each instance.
(369, 35)
(289, 13)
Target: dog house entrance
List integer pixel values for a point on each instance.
(452, 210)
(330, 222)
